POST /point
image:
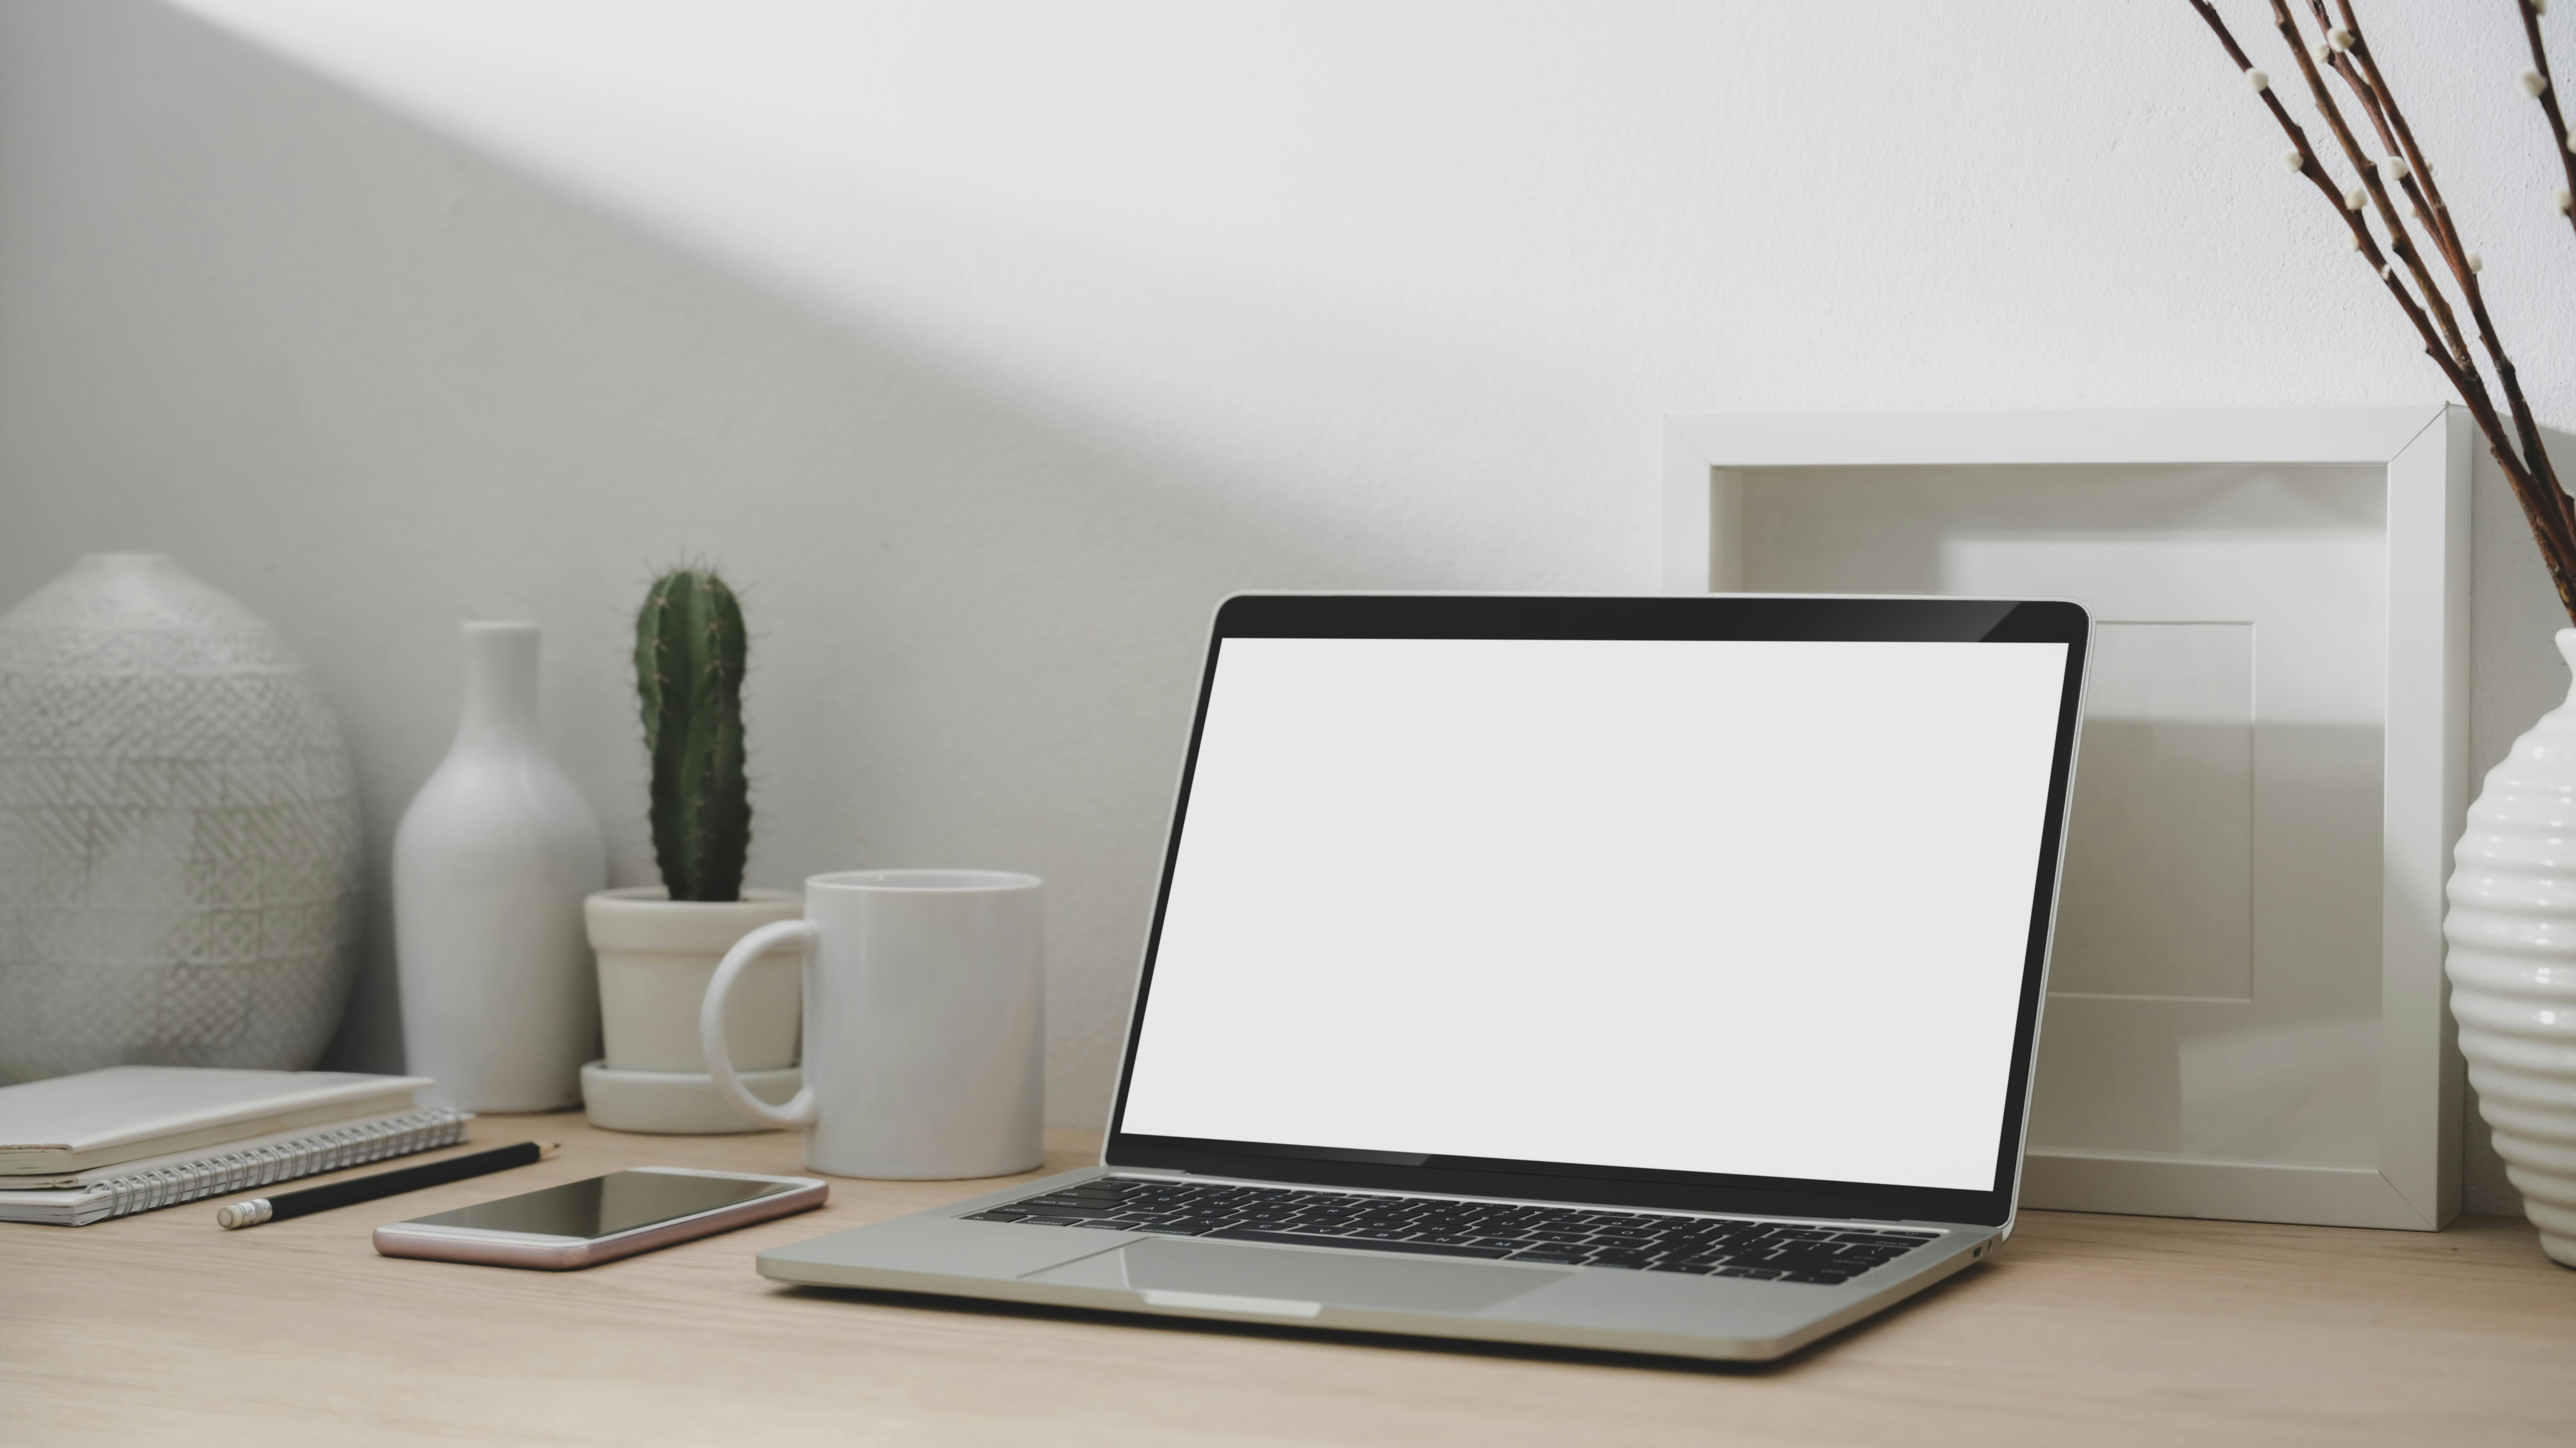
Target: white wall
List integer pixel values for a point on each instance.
(987, 344)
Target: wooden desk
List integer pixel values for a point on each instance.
(2091, 1330)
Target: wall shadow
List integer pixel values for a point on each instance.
(373, 382)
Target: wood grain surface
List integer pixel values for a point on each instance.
(2085, 1329)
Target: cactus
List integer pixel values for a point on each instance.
(689, 653)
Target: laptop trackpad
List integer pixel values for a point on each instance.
(1283, 1280)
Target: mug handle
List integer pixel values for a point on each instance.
(799, 1110)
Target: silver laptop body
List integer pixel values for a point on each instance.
(1647, 974)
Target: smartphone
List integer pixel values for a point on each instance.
(581, 1224)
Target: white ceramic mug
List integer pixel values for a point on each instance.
(925, 1023)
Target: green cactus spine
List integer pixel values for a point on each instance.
(689, 654)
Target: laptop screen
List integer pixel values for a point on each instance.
(1756, 907)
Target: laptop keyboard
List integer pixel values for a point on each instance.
(1563, 1236)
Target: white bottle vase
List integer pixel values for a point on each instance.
(499, 1000)
(2512, 930)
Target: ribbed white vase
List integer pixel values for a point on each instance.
(493, 858)
(179, 847)
(2512, 930)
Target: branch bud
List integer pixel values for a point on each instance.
(2565, 202)
(2476, 262)
(2533, 82)
(2296, 162)
(2323, 55)
(2355, 199)
(2539, 7)
(2354, 238)
(2339, 38)
(2258, 80)
(2392, 168)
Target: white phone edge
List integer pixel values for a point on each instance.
(485, 1247)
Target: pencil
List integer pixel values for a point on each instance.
(383, 1184)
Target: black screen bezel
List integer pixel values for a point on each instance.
(1255, 615)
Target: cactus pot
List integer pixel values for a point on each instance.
(655, 959)
(2512, 930)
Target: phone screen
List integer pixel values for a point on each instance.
(603, 1206)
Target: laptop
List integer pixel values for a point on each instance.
(1648, 974)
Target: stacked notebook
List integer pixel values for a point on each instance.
(80, 1149)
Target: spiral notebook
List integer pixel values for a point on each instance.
(165, 1181)
(69, 1124)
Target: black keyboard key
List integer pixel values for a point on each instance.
(1300, 1239)
(1563, 1236)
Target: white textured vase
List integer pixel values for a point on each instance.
(2512, 930)
(499, 1000)
(179, 847)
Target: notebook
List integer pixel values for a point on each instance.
(68, 1124)
(80, 1198)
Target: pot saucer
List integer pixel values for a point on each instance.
(676, 1103)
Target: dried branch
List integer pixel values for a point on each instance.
(2546, 506)
(2552, 519)
(2366, 88)
(2547, 94)
(2433, 314)
(2464, 269)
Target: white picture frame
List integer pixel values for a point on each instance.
(1742, 493)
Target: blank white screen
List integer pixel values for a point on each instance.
(1748, 907)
